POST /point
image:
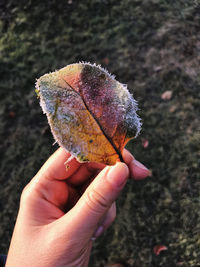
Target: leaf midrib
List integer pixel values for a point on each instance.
(98, 123)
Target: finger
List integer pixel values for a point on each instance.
(55, 168)
(73, 197)
(106, 222)
(109, 217)
(127, 156)
(85, 172)
(93, 166)
(97, 199)
(80, 176)
(45, 201)
(137, 170)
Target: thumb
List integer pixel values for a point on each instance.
(97, 199)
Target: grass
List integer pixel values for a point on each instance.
(153, 46)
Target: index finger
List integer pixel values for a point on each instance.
(137, 170)
(55, 168)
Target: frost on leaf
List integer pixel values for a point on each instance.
(91, 114)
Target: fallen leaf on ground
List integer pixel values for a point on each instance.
(12, 114)
(158, 248)
(167, 95)
(145, 143)
(91, 114)
(158, 68)
(106, 60)
(172, 108)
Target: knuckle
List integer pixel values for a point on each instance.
(25, 195)
(96, 202)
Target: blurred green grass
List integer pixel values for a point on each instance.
(153, 46)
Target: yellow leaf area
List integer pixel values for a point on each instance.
(85, 108)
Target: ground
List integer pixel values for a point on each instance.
(153, 46)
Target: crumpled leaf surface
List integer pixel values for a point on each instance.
(90, 114)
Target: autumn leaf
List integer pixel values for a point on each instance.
(91, 115)
(145, 143)
(167, 95)
(158, 248)
(12, 114)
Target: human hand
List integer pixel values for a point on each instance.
(63, 211)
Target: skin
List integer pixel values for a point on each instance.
(63, 211)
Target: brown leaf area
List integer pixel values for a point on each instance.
(90, 114)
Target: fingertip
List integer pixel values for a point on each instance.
(118, 174)
(139, 171)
